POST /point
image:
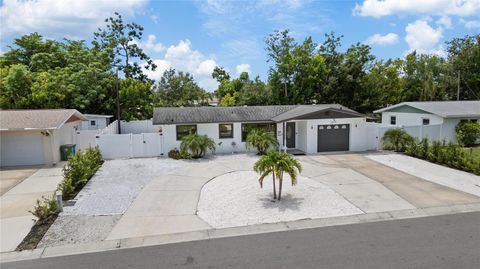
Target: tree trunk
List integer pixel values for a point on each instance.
(280, 182)
(274, 188)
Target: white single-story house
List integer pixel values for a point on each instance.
(34, 136)
(298, 128)
(96, 121)
(435, 120)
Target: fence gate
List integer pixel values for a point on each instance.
(117, 146)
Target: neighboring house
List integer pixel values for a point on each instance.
(436, 120)
(95, 121)
(34, 137)
(300, 128)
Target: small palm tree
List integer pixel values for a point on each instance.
(277, 164)
(262, 140)
(396, 139)
(197, 145)
(286, 164)
(266, 166)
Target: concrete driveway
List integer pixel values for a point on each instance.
(168, 204)
(15, 220)
(11, 176)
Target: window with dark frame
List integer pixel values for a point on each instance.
(183, 130)
(393, 120)
(246, 127)
(93, 123)
(225, 130)
(426, 121)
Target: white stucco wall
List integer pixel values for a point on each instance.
(64, 135)
(409, 119)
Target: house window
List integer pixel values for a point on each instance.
(426, 121)
(183, 130)
(93, 123)
(393, 120)
(225, 130)
(247, 127)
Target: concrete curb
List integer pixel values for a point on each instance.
(108, 245)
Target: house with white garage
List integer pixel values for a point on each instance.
(34, 137)
(435, 120)
(298, 128)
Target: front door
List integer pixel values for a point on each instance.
(290, 135)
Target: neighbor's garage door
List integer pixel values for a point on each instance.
(333, 137)
(21, 149)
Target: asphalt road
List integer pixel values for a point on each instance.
(451, 241)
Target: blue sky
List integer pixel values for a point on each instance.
(195, 36)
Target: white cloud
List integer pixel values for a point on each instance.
(183, 58)
(471, 24)
(242, 68)
(152, 45)
(383, 40)
(445, 21)
(423, 38)
(380, 8)
(71, 18)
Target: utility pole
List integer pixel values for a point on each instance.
(458, 86)
(118, 102)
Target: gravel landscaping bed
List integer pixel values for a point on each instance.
(117, 183)
(78, 229)
(236, 199)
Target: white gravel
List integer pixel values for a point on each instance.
(435, 173)
(117, 183)
(236, 199)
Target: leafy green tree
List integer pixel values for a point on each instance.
(229, 100)
(179, 89)
(255, 93)
(136, 99)
(119, 40)
(468, 133)
(15, 86)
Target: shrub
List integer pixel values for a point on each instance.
(435, 152)
(79, 169)
(176, 154)
(197, 145)
(396, 139)
(262, 140)
(45, 208)
(468, 133)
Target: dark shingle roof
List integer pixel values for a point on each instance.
(32, 119)
(183, 115)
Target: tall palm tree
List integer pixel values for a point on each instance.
(266, 166)
(277, 164)
(262, 140)
(286, 164)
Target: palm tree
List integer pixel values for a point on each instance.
(396, 139)
(262, 140)
(277, 164)
(266, 166)
(197, 145)
(289, 165)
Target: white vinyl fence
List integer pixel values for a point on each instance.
(118, 146)
(432, 132)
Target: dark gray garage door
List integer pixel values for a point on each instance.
(333, 137)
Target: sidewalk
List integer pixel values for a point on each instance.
(15, 220)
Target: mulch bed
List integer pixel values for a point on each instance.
(36, 234)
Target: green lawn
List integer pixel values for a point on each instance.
(474, 151)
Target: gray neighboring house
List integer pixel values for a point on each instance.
(298, 128)
(435, 120)
(96, 121)
(34, 136)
